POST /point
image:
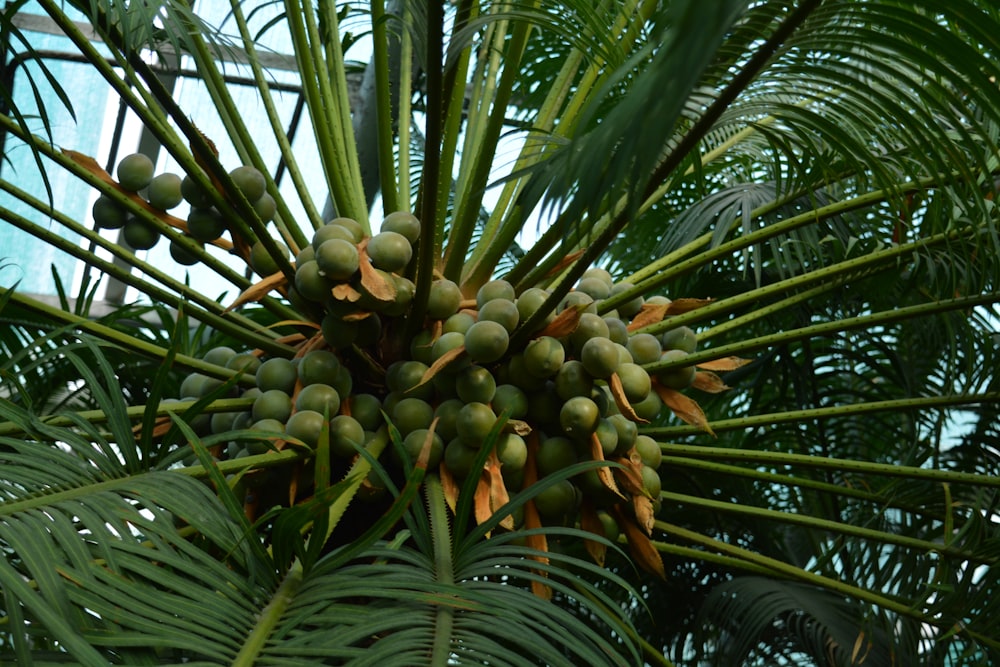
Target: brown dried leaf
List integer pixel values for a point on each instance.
(536, 541)
(564, 323)
(604, 472)
(469, 305)
(618, 392)
(678, 306)
(288, 340)
(498, 490)
(344, 292)
(564, 262)
(724, 364)
(686, 409)
(518, 426)
(91, 165)
(357, 317)
(439, 363)
(449, 486)
(630, 476)
(260, 289)
(643, 507)
(373, 281)
(590, 522)
(482, 499)
(649, 314)
(709, 382)
(640, 546)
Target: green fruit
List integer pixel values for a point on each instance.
(596, 272)
(573, 380)
(307, 254)
(501, 311)
(635, 381)
(617, 330)
(447, 416)
(514, 372)
(272, 404)
(222, 422)
(246, 362)
(108, 213)
(509, 397)
(194, 194)
(265, 207)
(250, 181)
(631, 307)
(458, 323)
(596, 288)
(262, 261)
(494, 289)
(414, 443)
(332, 231)
(599, 357)
(306, 426)
(405, 289)
(530, 301)
(627, 432)
(459, 458)
(579, 417)
(554, 454)
(184, 255)
(408, 380)
(651, 482)
(486, 341)
(680, 338)
(589, 326)
(607, 434)
(219, 355)
(277, 373)
(649, 451)
(367, 410)
(311, 283)
(580, 300)
(679, 377)
(444, 299)
(421, 346)
(644, 348)
(353, 227)
(197, 385)
(338, 333)
(543, 408)
(610, 525)
(321, 398)
(140, 234)
(264, 445)
(411, 414)
(404, 223)
(648, 408)
(345, 434)
(544, 356)
(475, 384)
(389, 251)
(557, 501)
(205, 224)
(512, 451)
(474, 422)
(319, 367)
(164, 191)
(337, 259)
(135, 172)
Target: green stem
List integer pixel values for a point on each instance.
(810, 414)
(383, 106)
(270, 616)
(826, 525)
(829, 463)
(444, 568)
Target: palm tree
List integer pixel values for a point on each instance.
(802, 190)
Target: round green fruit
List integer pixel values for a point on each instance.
(219, 355)
(459, 457)
(573, 380)
(486, 341)
(494, 289)
(277, 373)
(346, 433)
(557, 501)
(250, 181)
(262, 261)
(617, 330)
(318, 366)
(321, 398)
(644, 348)
(164, 191)
(475, 384)
(414, 443)
(627, 432)
(339, 333)
(338, 259)
(474, 422)
(444, 299)
(135, 172)
(680, 338)
(544, 356)
(205, 224)
(140, 234)
(511, 398)
(651, 482)
(595, 287)
(530, 301)
(331, 231)
(264, 445)
(246, 362)
(182, 254)
(458, 323)
(447, 415)
(579, 417)
(367, 410)
(678, 377)
(649, 451)
(108, 213)
(265, 207)
(404, 223)
(389, 251)
(306, 426)
(554, 454)
(501, 311)
(512, 451)
(589, 326)
(411, 414)
(194, 194)
(272, 404)
(635, 381)
(599, 357)
(311, 283)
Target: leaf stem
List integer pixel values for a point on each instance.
(270, 616)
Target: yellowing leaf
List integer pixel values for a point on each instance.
(564, 262)
(440, 363)
(564, 323)
(678, 306)
(449, 486)
(686, 409)
(260, 289)
(724, 364)
(640, 546)
(643, 508)
(709, 382)
(498, 490)
(604, 472)
(590, 522)
(374, 282)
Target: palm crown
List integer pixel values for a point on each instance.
(530, 455)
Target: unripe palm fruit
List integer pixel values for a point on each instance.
(108, 213)
(486, 341)
(321, 398)
(494, 289)
(554, 454)
(272, 404)
(205, 224)
(631, 307)
(410, 414)
(265, 207)
(305, 425)
(249, 181)
(261, 260)
(599, 357)
(311, 283)
(679, 377)
(509, 397)
(530, 301)
(543, 357)
(444, 299)
(512, 451)
(414, 443)
(644, 348)
(595, 272)
(164, 191)
(474, 422)
(680, 338)
(501, 311)
(555, 502)
(402, 222)
(135, 172)
(475, 384)
(579, 417)
(194, 194)
(595, 287)
(330, 231)
(649, 451)
(345, 433)
(389, 251)
(277, 373)
(183, 254)
(140, 234)
(318, 367)
(337, 259)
